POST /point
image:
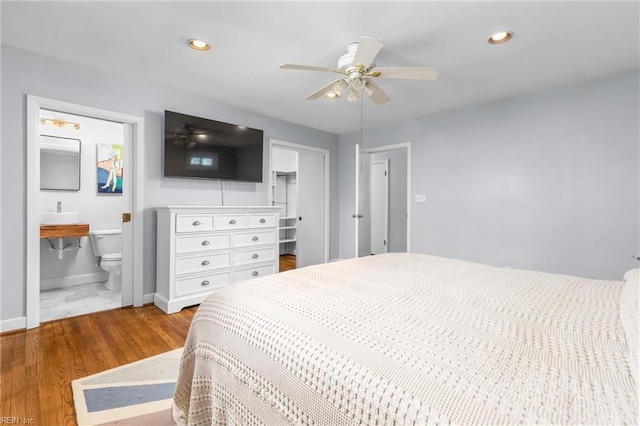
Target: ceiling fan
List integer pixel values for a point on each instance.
(189, 137)
(359, 69)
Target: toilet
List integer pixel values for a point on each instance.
(107, 245)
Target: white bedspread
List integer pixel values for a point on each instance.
(408, 339)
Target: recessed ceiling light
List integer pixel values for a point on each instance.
(500, 37)
(197, 44)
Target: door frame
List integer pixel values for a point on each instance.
(327, 168)
(34, 105)
(396, 147)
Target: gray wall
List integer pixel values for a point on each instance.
(546, 181)
(25, 73)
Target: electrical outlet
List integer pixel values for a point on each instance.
(421, 198)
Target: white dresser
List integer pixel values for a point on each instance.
(202, 249)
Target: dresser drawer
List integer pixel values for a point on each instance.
(203, 262)
(253, 238)
(248, 273)
(231, 221)
(266, 220)
(245, 257)
(202, 283)
(193, 223)
(202, 242)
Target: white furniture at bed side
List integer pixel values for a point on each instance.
(201, 250)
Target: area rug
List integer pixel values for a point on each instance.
(139, 393)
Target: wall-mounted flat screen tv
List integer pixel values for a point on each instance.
(200, 148)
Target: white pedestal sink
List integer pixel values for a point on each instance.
(62, 218)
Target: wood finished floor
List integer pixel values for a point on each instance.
(287, 262)
(38, 365)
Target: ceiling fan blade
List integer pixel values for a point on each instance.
(417, 73)
(353, 95)
(368, 49)
(374, 92)
(309, 68)
(324, 90)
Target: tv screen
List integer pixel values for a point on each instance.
(200, 148)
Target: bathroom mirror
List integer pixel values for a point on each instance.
(59, 163)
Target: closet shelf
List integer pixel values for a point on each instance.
(287, 227)
(288, 240)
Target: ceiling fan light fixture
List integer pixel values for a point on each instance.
(198, 44)
(353, 96)
(500, 37)
(356, 82)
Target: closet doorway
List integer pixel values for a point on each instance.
(299, 182)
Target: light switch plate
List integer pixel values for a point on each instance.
(421, 198)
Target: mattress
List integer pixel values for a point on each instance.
(408, 339)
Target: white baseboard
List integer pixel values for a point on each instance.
(13, 324)
(95, 277)
(20, 323)
(335, 260)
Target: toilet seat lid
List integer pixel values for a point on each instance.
(112, 256)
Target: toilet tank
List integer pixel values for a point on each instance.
(106, 241)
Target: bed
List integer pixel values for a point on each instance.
(412, 339)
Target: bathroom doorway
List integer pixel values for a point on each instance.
(73, 262)
(76, 152)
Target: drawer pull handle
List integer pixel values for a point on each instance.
(255, 256)
(255, 273)
(262, 220)
(255, 239)
(197, 223)
(205, 243)
(205, 263)
(204, 283)
(232, 222)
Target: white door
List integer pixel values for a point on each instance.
(379, 207)
(127, 227)
(310, 209)
(361, 215)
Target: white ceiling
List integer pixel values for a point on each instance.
(555, 43)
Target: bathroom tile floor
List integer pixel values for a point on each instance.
(77, 300)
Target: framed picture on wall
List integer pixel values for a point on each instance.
(110, 171)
